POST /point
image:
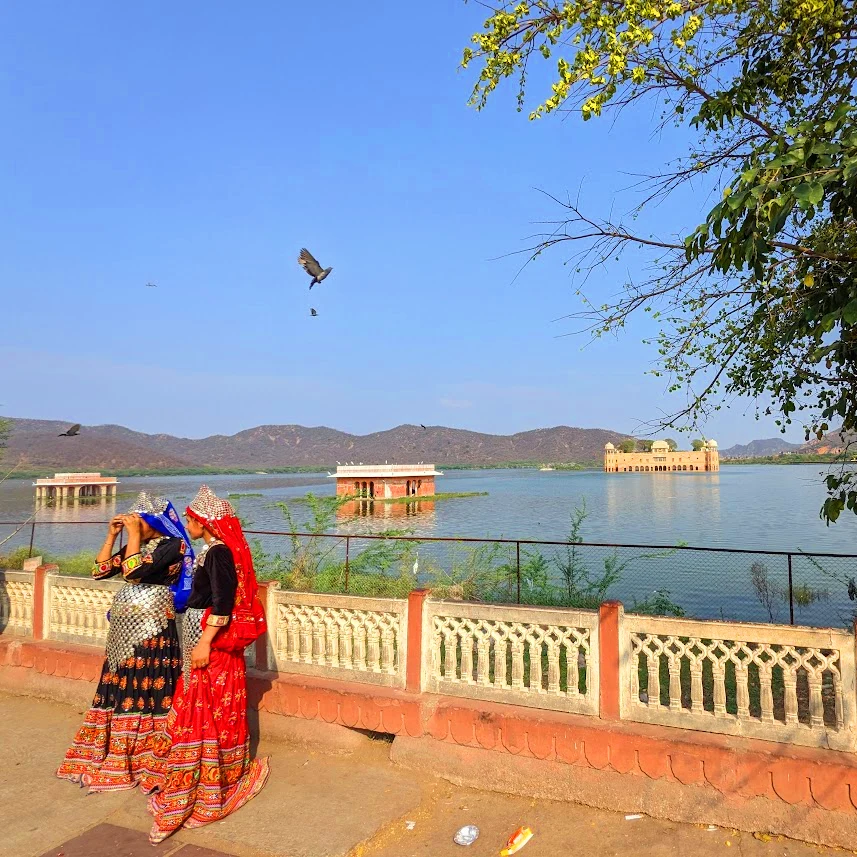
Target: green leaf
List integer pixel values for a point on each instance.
(849, 314)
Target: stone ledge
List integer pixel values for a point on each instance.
(312, 734)
(606, 789)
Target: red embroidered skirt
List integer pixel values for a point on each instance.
(123, 737)
(208, 772)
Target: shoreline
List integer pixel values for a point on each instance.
(42, 473)
(587, 466)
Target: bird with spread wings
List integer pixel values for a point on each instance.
(311, 265)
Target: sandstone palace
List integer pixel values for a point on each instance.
(661, 459)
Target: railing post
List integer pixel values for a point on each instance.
(32, 538)
(414, 665)
(347, 551)
(518, 557)
(41, 607)
(266, 645)
(791, 594)
(609, 624)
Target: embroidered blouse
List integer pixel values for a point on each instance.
(159, 561)
(214, 581)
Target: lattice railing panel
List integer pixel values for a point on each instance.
(342, 635)
(16, 603)
(531, 656)
(766, 681)
(78, 611)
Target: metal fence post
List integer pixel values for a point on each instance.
(347, 551)
(791, 594)
(32, 538)
(518, 557)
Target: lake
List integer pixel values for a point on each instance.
(751, 507)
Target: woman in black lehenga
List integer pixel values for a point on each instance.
(116, 746)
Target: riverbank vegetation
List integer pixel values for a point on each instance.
(791, 458)
(567, 576)
(79, 564)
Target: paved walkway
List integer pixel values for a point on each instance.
(317, 805)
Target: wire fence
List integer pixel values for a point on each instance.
(708, 583)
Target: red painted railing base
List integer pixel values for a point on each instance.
(670, 773)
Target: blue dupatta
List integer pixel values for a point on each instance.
(169, 524)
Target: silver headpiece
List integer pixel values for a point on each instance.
(148, 504)
(209, 506)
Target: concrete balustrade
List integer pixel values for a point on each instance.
(16, 603)
(775, 682)
(772, 682)
(342, 636)
(531, 656)
(748, 726)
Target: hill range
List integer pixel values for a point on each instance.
(34, 445)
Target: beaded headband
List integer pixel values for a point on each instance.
(209, 506)
(148, 504)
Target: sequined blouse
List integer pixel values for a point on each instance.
(214, 581)
(158, 562)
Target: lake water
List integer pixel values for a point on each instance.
(749, 507)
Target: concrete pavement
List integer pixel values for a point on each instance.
(318, 804)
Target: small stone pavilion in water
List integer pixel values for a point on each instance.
(385, 480)
(75, 486)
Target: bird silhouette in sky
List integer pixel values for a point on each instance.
(151, 285)
(422, 426)
(311, 265)
(312, 312)
(74, 431)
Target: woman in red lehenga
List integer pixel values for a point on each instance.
(208, 772)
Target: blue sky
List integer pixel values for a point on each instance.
(199, 146)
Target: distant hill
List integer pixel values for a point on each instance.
(760, 448)
(34, 443)
(834, 442)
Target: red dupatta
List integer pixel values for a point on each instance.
(247, 621)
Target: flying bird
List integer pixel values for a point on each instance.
(422, 426)
(74, 431)
(151, 285)
(312, 312)
(310, 264)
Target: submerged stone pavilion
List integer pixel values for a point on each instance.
(75, 486)
(385, 480)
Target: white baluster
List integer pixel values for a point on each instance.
(374, 651)
(466, 643)
(450, 641)
(766, 692)
(654, 665)
(388, 650)
(742, 690)
(790, 682)
(359, 656)
(535, 648)
(483, 665)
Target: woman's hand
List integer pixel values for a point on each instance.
(116, 525)
(132, 523)
(200, 655)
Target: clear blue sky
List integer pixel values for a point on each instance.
(199, 146)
